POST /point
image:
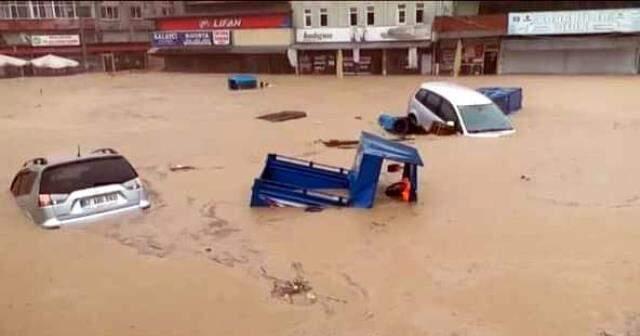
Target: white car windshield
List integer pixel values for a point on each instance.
(484, 118)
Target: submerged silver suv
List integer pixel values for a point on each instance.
(83, 188)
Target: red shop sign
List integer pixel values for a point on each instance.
(228, 22)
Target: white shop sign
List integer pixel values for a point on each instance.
(322, 35)
(55, 40)
(575, 22)
(396, 33)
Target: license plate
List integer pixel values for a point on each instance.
(99, 201)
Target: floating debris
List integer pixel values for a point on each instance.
(283, 116)
(179, 167)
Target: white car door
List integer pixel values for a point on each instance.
(416, 108)
(427, 107)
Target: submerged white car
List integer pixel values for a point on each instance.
(437, 104)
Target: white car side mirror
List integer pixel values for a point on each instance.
(450, 123)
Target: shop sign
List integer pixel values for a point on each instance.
(228, 22)
(55, 40)
(322, 35)
(575, 22)
(191, 38)
(397, 33)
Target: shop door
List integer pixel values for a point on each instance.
(490, 62)
(425, 64)
(108, 63)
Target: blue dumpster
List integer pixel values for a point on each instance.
(509, 99)
(240, 82)
(394, 124)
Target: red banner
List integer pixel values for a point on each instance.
(225, 22)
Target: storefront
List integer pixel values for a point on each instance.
(97, 56)
(244, 44)
(478, 39)
(363, 51)
(572, 42)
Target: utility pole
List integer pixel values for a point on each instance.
(83, 43)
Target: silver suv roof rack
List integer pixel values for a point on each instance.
(104, 151)
(36, 161)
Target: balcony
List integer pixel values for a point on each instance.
(47, 24)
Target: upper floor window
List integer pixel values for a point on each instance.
(109, 12)
(17, 9)
(166, 11)
(371, 16)
(41, 9)
(419, 13)
(324, 17)
(65, 9)
(136, 12)
(5, 10)
(353, 16)
(402, 14)
(307, 18)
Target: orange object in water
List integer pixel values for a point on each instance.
(406, 190)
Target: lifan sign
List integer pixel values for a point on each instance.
(225, 22)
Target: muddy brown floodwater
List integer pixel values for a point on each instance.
(484, 252)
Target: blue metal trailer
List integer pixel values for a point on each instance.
(293, 182)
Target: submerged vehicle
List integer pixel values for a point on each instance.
(440, 104)
(291, 182)
(53, 193)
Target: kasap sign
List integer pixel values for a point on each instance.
(55, 40)
(322, 35)
(575, 22)
(191, 38)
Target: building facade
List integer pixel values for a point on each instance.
(365, 37)
(101, 35)
(226, 36)
(540, 37)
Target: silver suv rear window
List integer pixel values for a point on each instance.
(69, 177)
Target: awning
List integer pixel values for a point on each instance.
(11, 61)
(369, 45)
(54, 62)
(218, 50)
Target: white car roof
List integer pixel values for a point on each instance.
(457, 94)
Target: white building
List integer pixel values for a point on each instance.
(365, 37)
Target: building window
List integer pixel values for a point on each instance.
(166, 11)
(371, 16)
(64, 9)
(84, 10)
(324, 17)
(5, 11)
(402, 14)
(419, 13)
(136, 12)
(109, 12)
(19, 9)
(39, 9)
(353, 16)
(307, 18)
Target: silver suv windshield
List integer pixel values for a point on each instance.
(484, 118)
(69, 177)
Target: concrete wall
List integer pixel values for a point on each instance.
(385, 12)
(263, 37)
